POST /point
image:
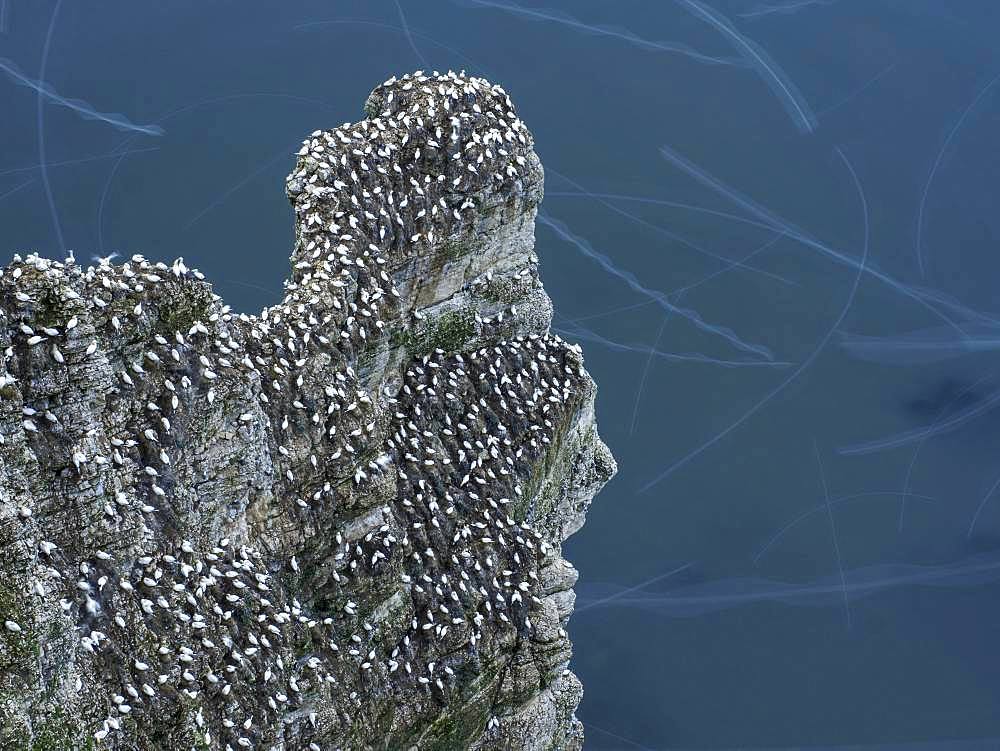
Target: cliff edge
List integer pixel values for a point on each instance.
(332, 525)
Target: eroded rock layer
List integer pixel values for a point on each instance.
(332, 525)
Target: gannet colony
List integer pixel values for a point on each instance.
(332, 525)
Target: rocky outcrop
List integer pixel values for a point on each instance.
(332, 525)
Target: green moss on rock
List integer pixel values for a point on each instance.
(448, 331)
(190, 303)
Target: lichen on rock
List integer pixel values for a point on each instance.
(332, 525)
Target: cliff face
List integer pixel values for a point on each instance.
(332, 525)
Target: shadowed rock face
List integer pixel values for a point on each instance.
(332, 525)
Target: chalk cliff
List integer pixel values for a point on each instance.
(335, 524)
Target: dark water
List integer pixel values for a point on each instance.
(804, 440)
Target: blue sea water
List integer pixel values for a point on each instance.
(772, 225)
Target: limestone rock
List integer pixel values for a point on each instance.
(332, 525)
